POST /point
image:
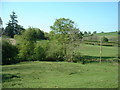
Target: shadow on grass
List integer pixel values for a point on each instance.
(6, 77)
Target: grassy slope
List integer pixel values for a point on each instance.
(73, 75)
(108, 35)
(60, 75)
(93, 50)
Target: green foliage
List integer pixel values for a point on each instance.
(104, 39)
(65, 31)
(46, 35)
(119, 32)
(12, 27)
(26, 51)
(81, 35)
(89, 32)
(63, 26)
(55, 51)
(85, 33)
(9, 53)
(26, 44)
(1, 22)
(39, 52)
(39, 34)
(94, 32)
(30, 35)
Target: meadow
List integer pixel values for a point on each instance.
(62, 58)
(42, 74)
(60, 75)
(94, 50)
(108, 34)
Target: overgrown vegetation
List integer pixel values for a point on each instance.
(9, 53)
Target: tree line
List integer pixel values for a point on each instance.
(33, 44)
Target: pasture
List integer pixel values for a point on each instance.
(41, 74)
(60, 75)
(94, 50)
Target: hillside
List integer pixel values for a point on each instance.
(108, 34)
(112, 37)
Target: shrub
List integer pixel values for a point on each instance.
(72, 53)
(104, 39)
(55, 51)
(9, 53)
(39, 34)
(39, 52)
(119, 32)
(26, 44)
(26, 51)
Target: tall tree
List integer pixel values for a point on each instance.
(94, 32)
(0, 22)
(27, 44)
(85, 33)
(65, 27)
(12, 27)
(1, 28)
(66, 33)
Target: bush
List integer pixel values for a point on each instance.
(39, 53)
(72, 53)
(9, 53)
(104, 39)
(26, 44)
(39, 34)
(30, 35)
(26, 51)
(55, 51)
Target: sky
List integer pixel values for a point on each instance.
(88, 16)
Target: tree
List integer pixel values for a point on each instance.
(40, 34)
(104, 39)
(12, 27)
(27, 44)
(85, 33)
(94, 32)
(9, 52)
(81, 35)
(66, 33)
(118, 31)
(89, 32)
(66, 28)
(1, 28)
(1, 22)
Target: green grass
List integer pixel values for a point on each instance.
(60, 75)
(107, 34)
(94, 50)
(113, 35)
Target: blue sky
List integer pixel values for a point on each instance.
(88, 16)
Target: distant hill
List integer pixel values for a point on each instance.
(112, 36)
(108, 34)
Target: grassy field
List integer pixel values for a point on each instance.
(60, 75)
(93, 50)
(66, 75)
(109, 34)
